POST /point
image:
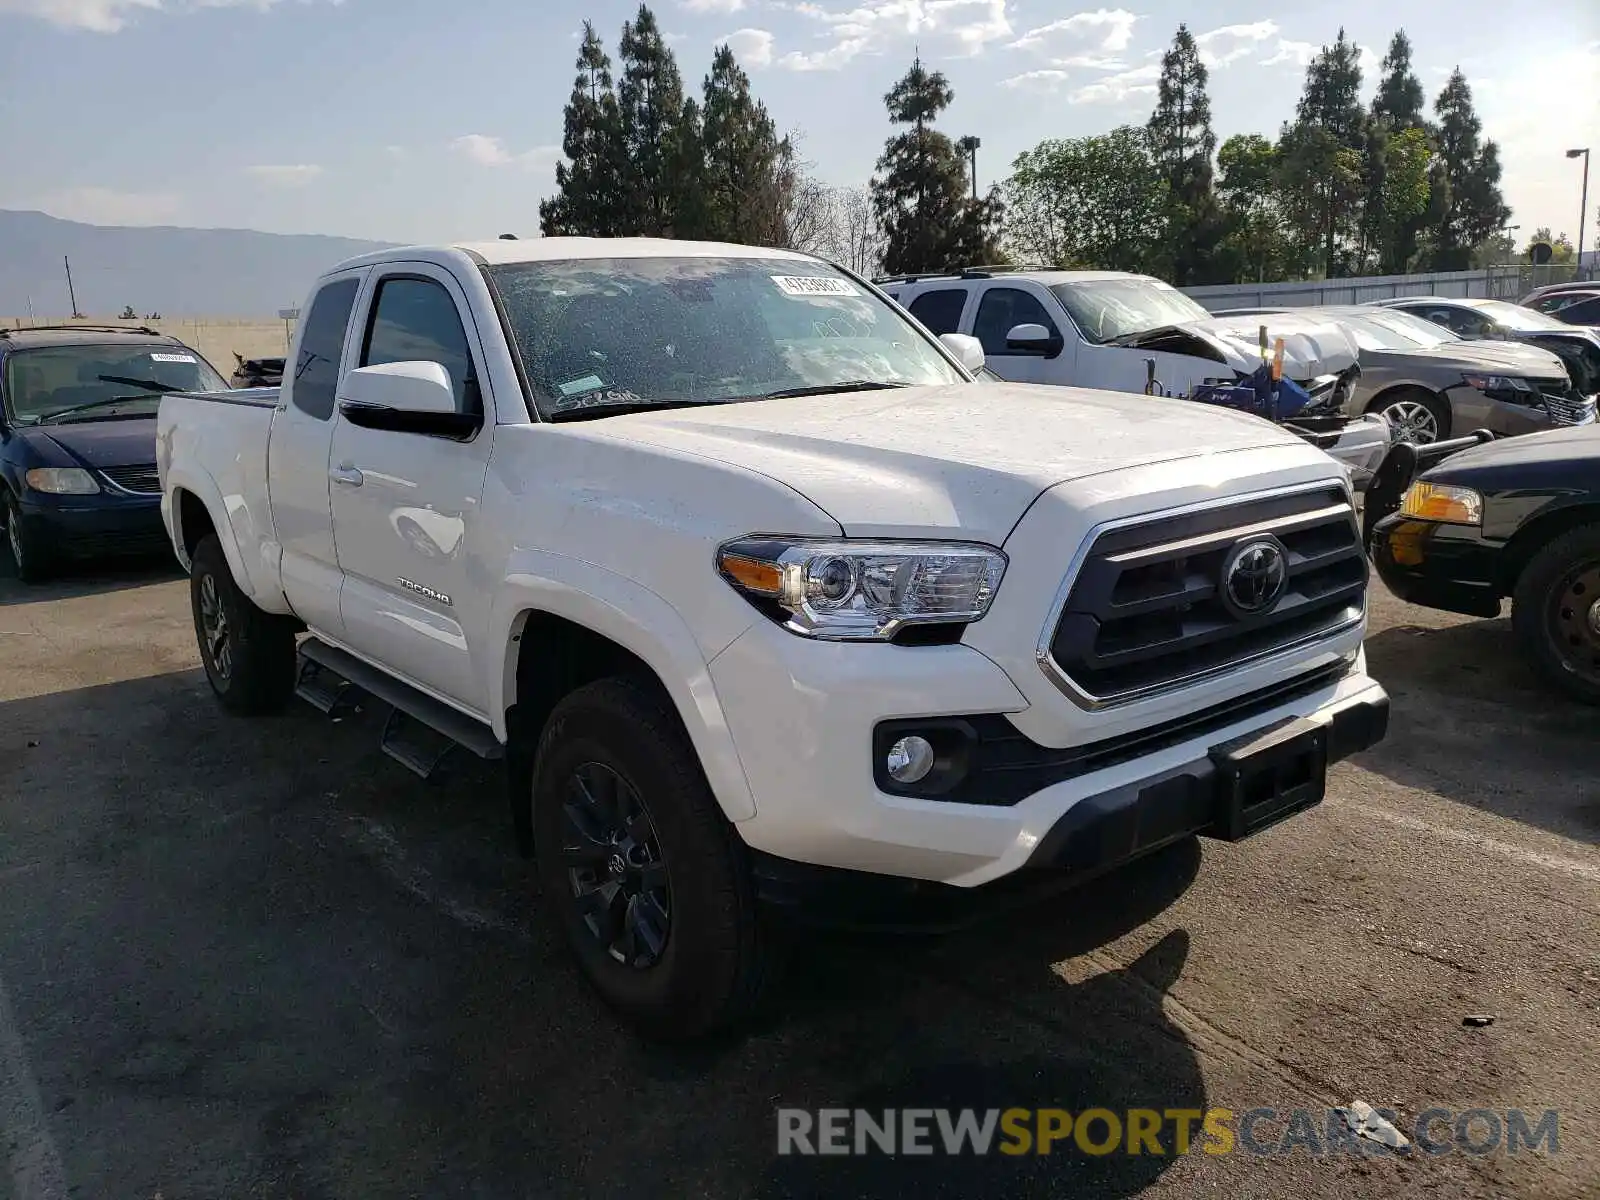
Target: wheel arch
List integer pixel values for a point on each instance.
(1538, 533)
(1394, 390)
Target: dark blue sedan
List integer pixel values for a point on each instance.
(78, 440)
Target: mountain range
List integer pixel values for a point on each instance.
(158, 269)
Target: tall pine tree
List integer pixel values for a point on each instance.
(920, 193)
(588, 182)
(1473, 210)
(1182, 143)
(1324, 152)
(744, 159)
(1399, 100)
(650, 97)
(1395, 211)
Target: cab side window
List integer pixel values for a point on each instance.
(1000, 311)
(416, 320)
(316, 369)
(940, 309)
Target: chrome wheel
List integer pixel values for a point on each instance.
(615, 867)
(214, 628)
(1412, 421)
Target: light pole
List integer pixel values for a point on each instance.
(969, 146)
(1583, 204)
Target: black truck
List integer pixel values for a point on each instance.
(1466, 524)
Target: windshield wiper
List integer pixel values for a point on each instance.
(154, 385)
(79, 408)
(828, 389)
(591, 411)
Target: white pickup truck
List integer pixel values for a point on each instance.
(765, 603)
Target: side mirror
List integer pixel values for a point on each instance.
(1033, 339)
(968, 350)
(406, 397)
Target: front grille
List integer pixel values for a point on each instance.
(1148, 609)
(1569, 408)
(144, 479)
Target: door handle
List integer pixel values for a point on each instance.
(349, 476)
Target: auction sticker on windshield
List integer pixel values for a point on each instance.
(175, 358)
(814, 285)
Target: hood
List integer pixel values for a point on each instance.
(1311, 346)
(125, 442)
(955, 458)
(1510, 358)
(1576, 445)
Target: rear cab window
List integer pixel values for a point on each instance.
(316, 372)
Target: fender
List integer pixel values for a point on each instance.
(261, 585)
(639, 621)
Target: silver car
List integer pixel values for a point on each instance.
(1429, 383)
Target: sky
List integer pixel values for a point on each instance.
(428, 120)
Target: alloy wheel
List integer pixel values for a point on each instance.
(214, 628)
(615, 867)
(1413, 422)
(14, 535)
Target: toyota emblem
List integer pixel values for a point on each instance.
(1253, 577)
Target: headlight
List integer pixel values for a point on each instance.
(62, 481)
(843, 590)
(1499, 383)
(1444, 503)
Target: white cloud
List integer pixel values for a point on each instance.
(107, 206)
(489, 151)
(1219, 47)
(1113, 27)
(1298, 54)
(110, 16)
(294, 175)
(1047, 80)
(713, 6)
(874, 24)
(751, 46)
(1114, 89)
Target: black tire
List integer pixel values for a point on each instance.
(1413, 410)
(30, 558)
(712, 960)
(250, 658)
(1556, 613)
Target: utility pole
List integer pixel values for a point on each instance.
(71, 293)
(1583, 204)
(969, 146)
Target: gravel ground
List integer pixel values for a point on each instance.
(261, 960)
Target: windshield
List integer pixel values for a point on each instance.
(1523, 320)
(102, 381)
(623, 333)
(1394, 331)
(1105, 309)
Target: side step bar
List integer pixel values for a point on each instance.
(327, 677)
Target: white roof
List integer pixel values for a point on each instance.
(543, 249)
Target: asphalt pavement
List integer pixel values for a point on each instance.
(259, 959)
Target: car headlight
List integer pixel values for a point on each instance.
(1499, 383)
(845, 590)
(62, 481)
(1444, 503)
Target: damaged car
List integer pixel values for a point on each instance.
(1136, 333)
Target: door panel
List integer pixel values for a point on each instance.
(405, 504)
(1000, 309)
(297, 459)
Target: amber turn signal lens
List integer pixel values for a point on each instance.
(1443, 503)
(751, 574)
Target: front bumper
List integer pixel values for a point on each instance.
(1471, 409)
(100, 526)
(1448, 567)
(803, 716)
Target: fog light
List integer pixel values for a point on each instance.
(910, 759)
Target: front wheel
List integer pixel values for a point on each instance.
(1416, 416)
(1556, 613)
(646, 877)
(29, 556)
(249, 655)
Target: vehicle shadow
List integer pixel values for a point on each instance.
(1472, 722)
(75, 579)
(260, 953)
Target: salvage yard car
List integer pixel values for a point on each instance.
(765, 602)
(1136, 333)
(1578, 347)
(1515, 519)
(78, 440)
(1428, 383)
